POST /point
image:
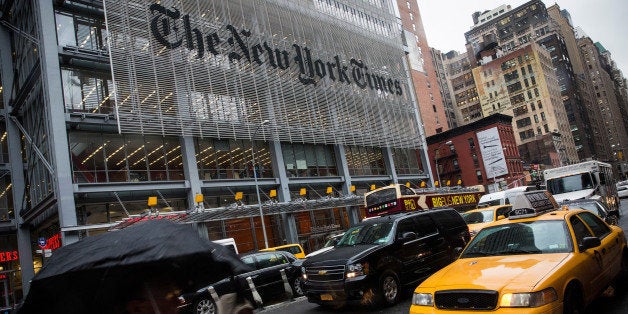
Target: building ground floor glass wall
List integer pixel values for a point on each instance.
(306, 191)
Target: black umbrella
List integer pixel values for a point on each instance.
(153, 260)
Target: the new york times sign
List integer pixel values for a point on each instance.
(168, 21)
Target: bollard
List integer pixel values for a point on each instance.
(256, 297)
(286, 284)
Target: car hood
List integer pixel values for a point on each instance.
(575, 195)
(341, 254)
(514, 272)
(319, 251)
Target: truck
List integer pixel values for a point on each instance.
(586, 180)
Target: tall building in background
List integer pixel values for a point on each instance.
(584, 117)
(506, 30)
(441, 66)
(522, 84)
(461, 87)
(263, 121)
(424, 76)
(606, 99)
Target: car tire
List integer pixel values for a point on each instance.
(204, 306)
(389, 289)
(297, 288)
(573, 302)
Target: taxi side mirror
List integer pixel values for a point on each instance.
(500, 217)
(589, 242)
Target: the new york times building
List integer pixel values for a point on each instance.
(222, 111)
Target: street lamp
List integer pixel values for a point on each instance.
(436, 160)
(259, 200)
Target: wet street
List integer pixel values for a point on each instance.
(608, 305)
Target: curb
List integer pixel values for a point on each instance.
(279, 305)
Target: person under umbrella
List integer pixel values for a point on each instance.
(139, 269)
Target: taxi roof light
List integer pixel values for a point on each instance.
(532, 204)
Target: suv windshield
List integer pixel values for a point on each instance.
(537, 237)
(367, 234)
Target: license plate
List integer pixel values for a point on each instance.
(326, 297)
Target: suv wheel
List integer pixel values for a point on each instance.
(389, 288)
(205, 306)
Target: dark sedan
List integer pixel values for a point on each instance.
(609, 216)
(266, 277)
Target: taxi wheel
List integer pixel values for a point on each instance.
(389, 288)
(573, 303)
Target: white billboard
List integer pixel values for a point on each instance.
(492, 153)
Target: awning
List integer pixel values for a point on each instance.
(243, 211)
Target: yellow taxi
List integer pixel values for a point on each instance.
(541, 259)
(294, 248)
(477, 218)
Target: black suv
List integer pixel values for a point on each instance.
(377, 257)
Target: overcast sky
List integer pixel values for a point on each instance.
(605, 21)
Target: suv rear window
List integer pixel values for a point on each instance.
(425, 225)
(449, 219)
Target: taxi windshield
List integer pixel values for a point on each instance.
(367, 234)
(534, 237)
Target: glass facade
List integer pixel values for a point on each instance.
(363, 161)
(407, 161)
(307, 160)
(80, 31)
(102, 157)
(232, 159)
(87, 92)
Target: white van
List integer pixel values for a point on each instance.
(229, 243)
(502, 197)
(589, 179)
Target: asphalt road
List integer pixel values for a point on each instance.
(608, 305)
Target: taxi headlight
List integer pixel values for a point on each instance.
(424, 299)
(358, 269)
(529, 299)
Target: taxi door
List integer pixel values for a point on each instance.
(610, 252)
(407, 251)
(589, 262)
